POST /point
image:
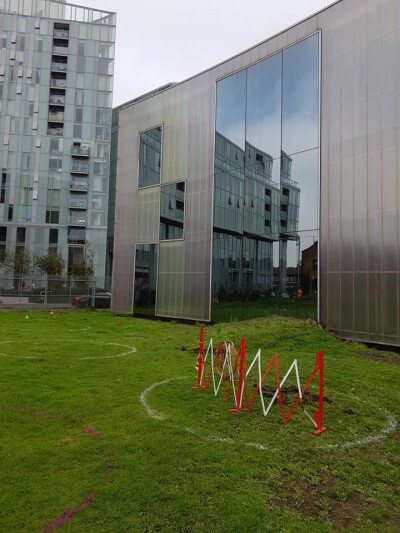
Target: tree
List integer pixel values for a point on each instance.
(51, 264)
(19, 262)
(83, 269)
(3, 258)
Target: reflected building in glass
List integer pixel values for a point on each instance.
(268, 182)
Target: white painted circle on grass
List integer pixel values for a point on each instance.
(391, 424)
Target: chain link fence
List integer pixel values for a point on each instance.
(47, 293)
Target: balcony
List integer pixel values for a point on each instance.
(58, 67)
(79, 168)
(77, 220)
(80, 151)
(77, 203)
(60, 83)
(56, 117)
(79, 186)
(60, 34)
(58, 132)
(57, 99)
(60, 50)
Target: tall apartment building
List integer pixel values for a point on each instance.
(56, 82)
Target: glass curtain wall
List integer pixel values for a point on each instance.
(266, 183)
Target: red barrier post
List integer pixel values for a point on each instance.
(200, 360)
(318, 416)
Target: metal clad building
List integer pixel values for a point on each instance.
(225, 179)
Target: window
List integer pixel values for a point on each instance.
(103, 116)
(81, 60)
(102, 133)
(39, 44)
(21, 42)
(77, 131)
(55, 164)
(100, 168)
(52, 217)
(78, 114)
(53, 206)
(53, 236)
(79, 98)
(25, 195)
(105, 66)
(21, 235)
(172, 208)
(3, 233)
(3, 186)
(146, 260)
(76, 236)
(26, 163)
(150, 157)
(81, 48)
(56, 146)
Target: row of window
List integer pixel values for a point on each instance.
(75, 235)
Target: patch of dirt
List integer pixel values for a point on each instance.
(394, 523)
(316, 501)
(342, 513)
(378, 357)
(289, 394)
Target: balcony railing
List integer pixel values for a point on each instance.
(77, 221)
(56, 117)
(78, 203)
(60, 50)
(78, 186)
(61, 83)
(58, 132)
(61, 34)
(57, 99)
(59, 67)
(80, 168)
(82, 151)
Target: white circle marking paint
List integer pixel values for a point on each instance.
(389, 428)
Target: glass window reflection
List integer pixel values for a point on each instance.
(145, 278)
(150, 157)
(300, 96)
(172, 211)
(231, 109)
(266, 182)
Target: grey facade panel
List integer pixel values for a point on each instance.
(359, 173)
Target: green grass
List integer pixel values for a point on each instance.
(73, 425)
(305, 307)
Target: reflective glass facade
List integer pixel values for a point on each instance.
(289, 157)
(266, 188)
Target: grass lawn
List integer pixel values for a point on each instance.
(305, 307)
(102, 432)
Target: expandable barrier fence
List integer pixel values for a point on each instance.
(228, 368)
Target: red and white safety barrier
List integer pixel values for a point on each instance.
(225, 363)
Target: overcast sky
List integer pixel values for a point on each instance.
(162, 41)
